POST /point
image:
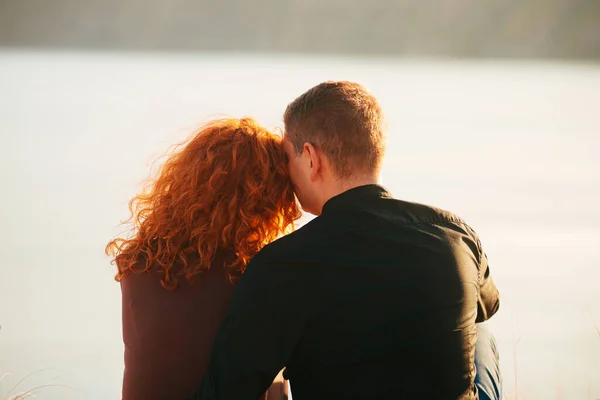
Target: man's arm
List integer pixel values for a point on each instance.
(489, 298)
(263, 324)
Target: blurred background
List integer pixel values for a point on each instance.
(503, 96)
(458, 28)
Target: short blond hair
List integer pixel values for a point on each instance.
(342, 119)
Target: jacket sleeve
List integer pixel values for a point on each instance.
(264, 322)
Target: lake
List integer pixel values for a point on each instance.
(514, 146)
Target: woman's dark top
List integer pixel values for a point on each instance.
(168, 335)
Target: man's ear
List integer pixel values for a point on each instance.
(315, 161)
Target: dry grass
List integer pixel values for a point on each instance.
(12, 394)
(597, 325)
(515, 343)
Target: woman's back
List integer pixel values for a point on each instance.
(215, 202)
(168, 335)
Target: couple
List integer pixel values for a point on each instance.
(375, 298)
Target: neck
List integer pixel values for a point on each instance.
(339, 186)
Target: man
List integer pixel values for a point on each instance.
(376, 298)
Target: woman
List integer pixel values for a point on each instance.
(214, 204)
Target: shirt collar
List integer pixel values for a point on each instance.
(354, 197)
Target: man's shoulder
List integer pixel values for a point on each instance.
(295, 242)
(414, 212)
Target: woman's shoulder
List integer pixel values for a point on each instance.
(147, 278)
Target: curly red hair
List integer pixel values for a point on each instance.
(225, 188)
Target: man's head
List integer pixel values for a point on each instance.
(334, 138)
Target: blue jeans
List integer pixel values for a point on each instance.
(488, 378)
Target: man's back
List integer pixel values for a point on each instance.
(375, 298)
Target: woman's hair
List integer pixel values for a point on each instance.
(225, 188)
